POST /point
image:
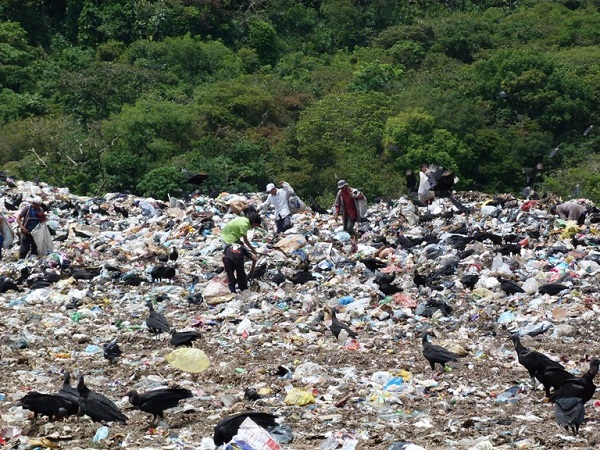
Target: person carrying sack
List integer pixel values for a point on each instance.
(280, 199)
(351, 203)
(28, 218)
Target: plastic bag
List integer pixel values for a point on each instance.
(530, 286)
(361, 203)
(188, 359)
(7, 233)
(42, 238)
(298, 397)
(294, 203)
(251, 436)
(217, 290)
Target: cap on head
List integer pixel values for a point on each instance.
(37, 200)
(270, 187)
(342, 183)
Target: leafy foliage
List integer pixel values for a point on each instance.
(123, 94)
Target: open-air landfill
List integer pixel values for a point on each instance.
(269, 348)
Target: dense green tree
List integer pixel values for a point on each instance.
(57, 150)
(145, 135)
(103, 88)
(309, 91)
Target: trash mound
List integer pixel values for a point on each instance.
(128, 274)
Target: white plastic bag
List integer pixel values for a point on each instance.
(294, 203)
(7, 233)
(42, 238)
(360, 200)
(217, 290)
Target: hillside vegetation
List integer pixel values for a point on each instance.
(114, 95)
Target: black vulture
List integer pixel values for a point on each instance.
(159, 273)
(469, 281)
(389, 289)
(569, 413)
(228, 427)
(194, 178)
(44, 404)
(461, 208)
(51, 277)
(96, 406)
(337, 326)
(120, 210)
(81, 274)
(431, 306)
(156, 401)
(437, 354)
(534, 362)
(183, 338)
(552, 288)
(419, 280)
(13, 202)
(465, 253)
(552, 376)
(157, 323)
(174, 254)
(8, 285)
(570, 398)
(582, 387)
(373, 264)
(39, 284)
(441, 180)
(259, 271)
(508, 249)
(314, 207)
(62, 237)
(481, 236)
(69, 394)
(510, 287)
(384, 278)
(278, 278)
(112, 351)
(302, 277)
(132, 279)
(408, 242)
(532, 175)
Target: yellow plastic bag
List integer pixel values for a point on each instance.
(298, 397)
(189, 359)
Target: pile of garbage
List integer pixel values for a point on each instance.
(468, 276)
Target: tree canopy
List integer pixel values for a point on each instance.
(122, 94)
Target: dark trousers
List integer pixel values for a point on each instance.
(235, 274)
(27, 243)
(283, 224)
(348, 223)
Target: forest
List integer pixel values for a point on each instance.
(126, 95)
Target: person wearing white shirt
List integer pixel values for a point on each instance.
(279, 198)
